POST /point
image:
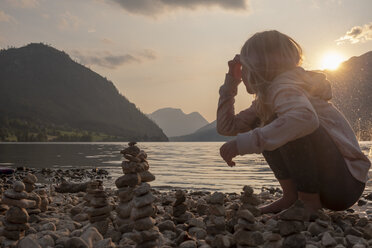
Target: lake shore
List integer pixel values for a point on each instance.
(183, 218)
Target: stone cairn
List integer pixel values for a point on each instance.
(44, 200)
(215, 222)
(91, 186)
(3, 207)
(16, 218)
(100, 209)
(179, 207)
(29, 180)
(250, 201)
(135, 198)
(246, 231)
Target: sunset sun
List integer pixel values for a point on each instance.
(332, 60)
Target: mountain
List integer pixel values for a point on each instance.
(175, 122)
(46, 95)
(352, 93)
(206, 133)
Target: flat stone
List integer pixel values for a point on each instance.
(167, 225)
(46, 241)
(17, 215)
(144, 223)
(48, 227)
(246, 214)
(315, 229)
(146, 176)
(145, 211)
(125, 194)
(150, 234)
(11, 193)
(124, 209)
(99, 202)
(30, 178)
(15, 227)
(143, 200)
(217, 198)
(13, 235)
(18, 186)
(130, 180)
(91, 236)
(188, 244)
(252, 200)
(129, 167)
(243, 224)
(98, 218)
(142, 189)
(99, 211)
(105, 243)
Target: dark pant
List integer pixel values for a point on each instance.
(316, 165)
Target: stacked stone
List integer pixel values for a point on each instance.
(16, 218)
(291, 224)
(100, 209)
(246, 231)
(179, 207)
(3, 207)
(91, 186)
(141, 214)
(250, 201)
(29, 180)
(215, 222)
(44, 200)
(126, 185)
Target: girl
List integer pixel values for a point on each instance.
(306, 141)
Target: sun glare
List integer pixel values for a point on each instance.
(331, 61)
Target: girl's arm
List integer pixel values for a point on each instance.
(296, 118)
(228, 123)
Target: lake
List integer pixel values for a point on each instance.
(188, 165)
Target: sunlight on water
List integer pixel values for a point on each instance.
(190, 165)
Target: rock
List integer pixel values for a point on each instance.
(167, 225)
(18, 186)
(180, 197)
(18, 203)
(295, 212)
(243, 237)
(76, 242)
(144, 223)
(105, 243)
(248, 190)
(30, 178)
(289, 227)
(46, 241)
(15, 227)
(130, 180)
(297, 240)
(217, 198)
(146, 176)
(28, 242)
(216, 209)
(125, 194)
(246, 215)
(188, 244)
(142, 189)
(48, 226)
(196, 222)
(143, 200)
(328, 240)
(17, 215)
(315, 228)
(198, 232)
(91, 236)
(29, 187)
(138, 213)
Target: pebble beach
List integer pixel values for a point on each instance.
(39, 209)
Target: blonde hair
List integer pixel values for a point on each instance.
(264, 56)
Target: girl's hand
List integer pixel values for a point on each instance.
(228, 151)
(235, 68)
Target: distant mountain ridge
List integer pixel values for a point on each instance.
(352, 95)
(174, 122)
(44, 92)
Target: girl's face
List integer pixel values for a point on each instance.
(246, 79)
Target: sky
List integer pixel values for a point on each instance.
(174, 53)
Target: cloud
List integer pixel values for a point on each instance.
(157, 7)
(68, 21)
(112, 61)
(357, 34)
(29, 4)
(4, 17)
